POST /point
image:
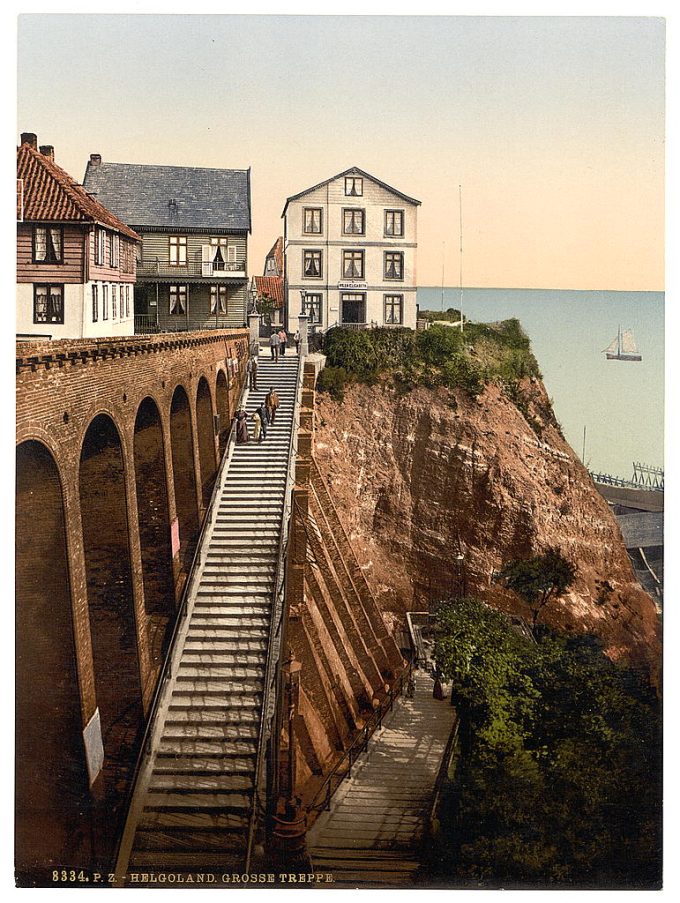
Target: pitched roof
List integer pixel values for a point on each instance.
(271, 286)
(353, 170)
(50, 194)
(203, 198)
(277, 253)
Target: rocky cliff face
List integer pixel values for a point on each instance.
(417, 476)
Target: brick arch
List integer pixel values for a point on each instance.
(111, 607)
(205, 436)
(223, 407)
(182, 442)
(153, 524)
(49, 748)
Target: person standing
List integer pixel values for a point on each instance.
(251, 370)
(241, 419)
(274, 342)
(264, 419)
(257, 420)
(284, 338)
(296, 339)
(271, 402)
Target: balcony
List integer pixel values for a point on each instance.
(233, 269)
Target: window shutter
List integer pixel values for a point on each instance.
(207, 254)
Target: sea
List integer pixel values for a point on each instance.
(619, 404)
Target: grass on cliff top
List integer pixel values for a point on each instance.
(439, 356)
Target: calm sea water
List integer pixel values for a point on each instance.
(619, 403)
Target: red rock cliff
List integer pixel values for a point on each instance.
(412, 473)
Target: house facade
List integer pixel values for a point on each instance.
(350, 246)
(76, 261)
(194, 223)
(267, 289)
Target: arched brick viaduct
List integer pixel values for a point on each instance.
(118, 445)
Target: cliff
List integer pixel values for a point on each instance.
(417, 475)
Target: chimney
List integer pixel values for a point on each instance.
(95, 159)
(29, 138)
(47, 150)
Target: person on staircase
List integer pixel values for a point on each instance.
(257, 421)
(271, 401)
(251, 370)
(284, 339)
(296, 339)
(264, 418)
(241, 421)
(274, 342)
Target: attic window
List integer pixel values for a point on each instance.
(354, 187)
(172, 207)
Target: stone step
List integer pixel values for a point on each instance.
(210, 701)
(201, 783)
(236, 717)
(209, 732)
(197, 801)
(176, 841)
(218, 687)
(212, 672)
(221, 659)
(224, 645)
(151, 820)
(217, 748)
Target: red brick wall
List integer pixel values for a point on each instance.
(62, 386)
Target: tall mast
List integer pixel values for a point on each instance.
(443, 259)
(460, 280)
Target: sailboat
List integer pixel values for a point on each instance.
(623, 347)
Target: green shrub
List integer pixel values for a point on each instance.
(333, 380)
(439, 343)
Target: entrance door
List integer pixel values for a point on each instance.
(354, 307)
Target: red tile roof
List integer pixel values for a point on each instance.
(51, 195)
(272, 286)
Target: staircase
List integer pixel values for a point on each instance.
(194, 799)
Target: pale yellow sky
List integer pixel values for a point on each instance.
(553, 126)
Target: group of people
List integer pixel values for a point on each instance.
(262, 417)
(278, 342)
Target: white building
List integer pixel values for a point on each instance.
(350, 245)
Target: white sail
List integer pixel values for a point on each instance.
(628, 345)
(612, 347)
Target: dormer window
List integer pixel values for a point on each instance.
(178, 250)
(354, 187)
(48, 244)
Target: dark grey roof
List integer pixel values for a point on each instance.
(203, 198)
(353, 170)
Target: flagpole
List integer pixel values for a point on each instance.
(460, 208)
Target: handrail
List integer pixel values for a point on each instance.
(442, 774)
(164, 673)
(359, 744)
(272, 678)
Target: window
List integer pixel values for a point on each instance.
(353, 222)
(218, 253)
(312, 221)
(114, 250)
(352, 264)
(48, 303)
(354, 187)
(178, 250)
(394, 223)
(178, 299)
(105, 302)
(127, 300)
(95, 303)
(218, 297)
(311, 264)
(394, 307)
(394, 265)
(312, 307)
(47, 244)
(100, 247)
(114, 302)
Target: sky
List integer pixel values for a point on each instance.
(552, 126)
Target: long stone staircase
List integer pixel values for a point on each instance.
(193, 802)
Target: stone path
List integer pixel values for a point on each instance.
(372, 835)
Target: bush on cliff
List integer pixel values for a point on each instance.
(558, 777)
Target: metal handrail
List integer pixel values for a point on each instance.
(358, 745)
(272, 678)
(164, 673)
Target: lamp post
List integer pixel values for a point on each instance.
(459, 559)
(303, 319)
(290, 826)
(254, 320)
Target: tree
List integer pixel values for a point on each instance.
(267, 307)
(539, 580)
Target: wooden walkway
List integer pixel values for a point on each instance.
(373, 833)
